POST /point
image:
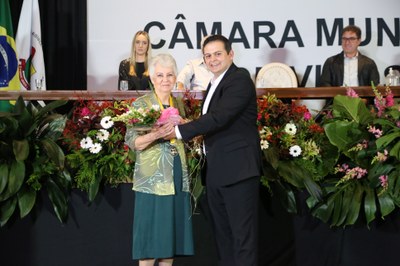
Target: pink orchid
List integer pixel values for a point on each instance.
(351, 93)
(357, 172)
(169, 114)
(363, 145)
(376, 131)
(380, 106)
(384, 181)
(382, 156)
(342, 168)
(389, 99)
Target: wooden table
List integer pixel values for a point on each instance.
(295, 93)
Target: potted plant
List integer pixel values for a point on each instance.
(31, 160)
(95, 146)
(366, 180)
(297, 153)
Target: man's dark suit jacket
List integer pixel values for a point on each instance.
(333, 71)
(230, 132)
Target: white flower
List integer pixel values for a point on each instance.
(295, 150)
(264, 144)
(155, 107)
(86, 143)
(106, 122)
(199, 151)
(95, 148)
(291, 129)
(102, 135)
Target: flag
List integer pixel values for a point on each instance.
(8, 55)
(29, 47)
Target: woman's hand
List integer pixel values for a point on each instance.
(163, 130)
(156, 133)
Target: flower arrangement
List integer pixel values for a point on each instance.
(194, 151)
(366, 181)
(348, 163)
(297, 153)
(139, 118)
(95, 144)
(143, 119)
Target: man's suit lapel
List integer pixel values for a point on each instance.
(220, 85)
(340, 69)
(360, 65)
(205, 96)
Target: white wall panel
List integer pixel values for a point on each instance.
(112, 24)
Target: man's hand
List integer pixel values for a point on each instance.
(171, 131)
(163, 130)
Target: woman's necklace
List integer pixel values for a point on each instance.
(173, 149)
(171, 103)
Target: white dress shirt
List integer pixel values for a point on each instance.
(195, 75)
(350, 75)
(214, 85)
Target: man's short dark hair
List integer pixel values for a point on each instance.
(213, 38)
(353, 28)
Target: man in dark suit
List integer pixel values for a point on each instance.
(350, 67)
(233, 154)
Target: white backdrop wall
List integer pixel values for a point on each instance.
(301, 34)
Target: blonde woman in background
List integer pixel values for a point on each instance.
(135, 69)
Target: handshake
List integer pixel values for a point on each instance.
(165, 125)
(166, 130)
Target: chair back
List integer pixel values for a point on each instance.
(276, 75)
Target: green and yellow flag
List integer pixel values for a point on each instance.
(8, 56)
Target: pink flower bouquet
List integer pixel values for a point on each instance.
(169, 114)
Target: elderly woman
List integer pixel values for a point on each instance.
(162, 226)
(135, 68)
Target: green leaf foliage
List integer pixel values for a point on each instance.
(386, 204)
(299, 177)
(26, 200)
(53, 152)
(94, 187)
(370, 205)
(59, 200)
(30, 156)
(3, 177)
(21, 149)
(342, 134)
(16, 178)
(7, 209)
(352, 109)
(342, 207)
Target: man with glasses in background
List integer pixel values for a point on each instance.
(349, 68)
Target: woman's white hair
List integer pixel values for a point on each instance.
(164, 60)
